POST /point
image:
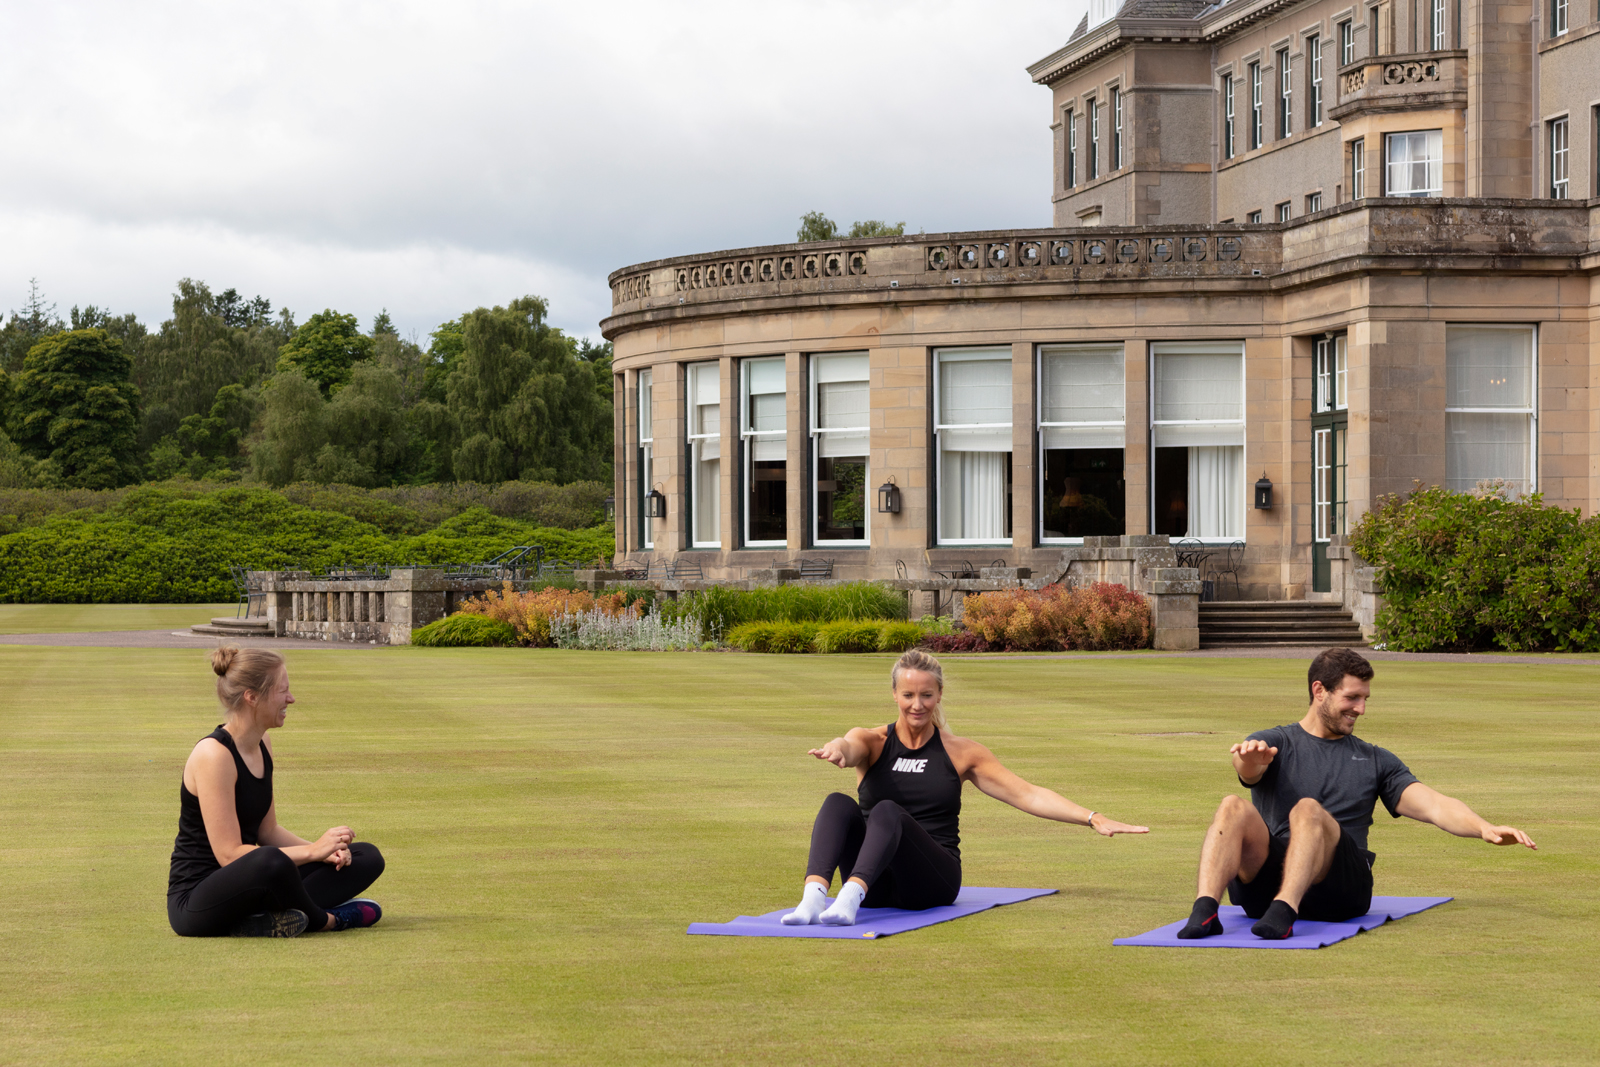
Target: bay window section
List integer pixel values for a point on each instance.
(1081, 438)
(763, 430)
(840, 423)
(705, 455)
(1490, 418)
(646, 458)
(1197, 430)
(972, 420)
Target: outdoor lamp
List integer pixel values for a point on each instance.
(1264, 493)
(611, 509)
(655, 505)
(889, 497)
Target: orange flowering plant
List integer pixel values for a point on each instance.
(1099, 616)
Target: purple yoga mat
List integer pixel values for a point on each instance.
(872, 923)
(1236, 927)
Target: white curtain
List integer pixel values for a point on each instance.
(973, 496)
(1488, 367)
(1216, 491)
(645, 415)
(1415, 164)
(707, 494)
(1482, 446)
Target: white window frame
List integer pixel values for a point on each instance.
(644, 386)
(1039, 353)
(816, 434)
(749, 437)
(1094, 139)
(1331, 371)
(1358, 169)
(1531, 412)
(1560, 159)
(1285, 211)
(1313, 203)
(942, 356)
(1256, 130)
(1156, 350)
(1230, 143)
(697, 441)
(1559, 17)
(1347, 42)
(1072, 150)
(1435, 164)
(1254, 216)
(1116, 129)
(1314, 47)
(1285, 94)
(1436, 24)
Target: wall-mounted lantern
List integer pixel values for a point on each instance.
(655, 504)
(611, 509)
(889, 498)
(1264, 493)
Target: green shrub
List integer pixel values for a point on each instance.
(173, 545)
(463, 631)
(752, 636)
(793, 637)
(848, 635)
(721, 609)
(900, 636)
(1103, 615)
(1474, 570)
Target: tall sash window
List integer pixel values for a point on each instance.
(763, 431)
(1081, 438)
(1198, 433)
(1490, 416)
(840, 422)
(972, 418)
(647, 443)
(705, 455)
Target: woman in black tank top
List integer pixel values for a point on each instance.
(234, 869)
(898, 843)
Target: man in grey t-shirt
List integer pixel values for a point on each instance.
(1300, 847)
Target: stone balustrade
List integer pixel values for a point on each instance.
(1422, 81)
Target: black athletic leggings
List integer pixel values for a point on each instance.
(889, 850)
(264, 879)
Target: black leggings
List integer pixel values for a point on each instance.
(889, 850)
(264, 879)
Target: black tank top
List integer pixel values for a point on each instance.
(921, 780)
(192, 858)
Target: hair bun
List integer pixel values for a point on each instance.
(222, 659)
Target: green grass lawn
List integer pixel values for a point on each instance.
(87, 618)
(553, 821)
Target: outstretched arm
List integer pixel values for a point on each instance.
(1450, 815)
(991, 776)
(852, 750)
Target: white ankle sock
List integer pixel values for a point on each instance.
(843, 911)
(812, 901)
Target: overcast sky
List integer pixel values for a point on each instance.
(435, 157)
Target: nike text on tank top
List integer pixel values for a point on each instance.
(192, 858)
(921, 780)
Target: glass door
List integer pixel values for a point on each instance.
(1330, 419)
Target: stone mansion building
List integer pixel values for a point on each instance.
(1304, 253)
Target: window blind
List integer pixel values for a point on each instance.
(975, 400)
(1082, 385)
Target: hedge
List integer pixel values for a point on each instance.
(721, 609)
(841, 635)
(1462, 571)
(464, 631)
(166, 545)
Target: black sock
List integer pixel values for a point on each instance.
(1203, 920)
(1277, 924)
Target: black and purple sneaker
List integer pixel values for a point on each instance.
(355, 913)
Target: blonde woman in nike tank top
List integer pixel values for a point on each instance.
(897, 843)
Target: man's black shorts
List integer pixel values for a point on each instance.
(1345, 894)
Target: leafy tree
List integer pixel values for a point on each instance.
(74, 405)
(325, 350)
(521, 404)
(876, 228)
(26, 328)
(382, 324)
(210, 342)
(293, 429)
(815, 226)
(367, 424)
(206, 446)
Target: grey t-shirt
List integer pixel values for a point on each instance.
(1346, 776)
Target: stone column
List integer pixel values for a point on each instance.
(1136, 427)
(1024, 454)
(797, 452)
(730, 523)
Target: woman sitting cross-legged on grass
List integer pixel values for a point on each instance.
(234, 869)
(900, 846)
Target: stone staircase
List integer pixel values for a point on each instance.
(1281, 623)
(227, 626)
